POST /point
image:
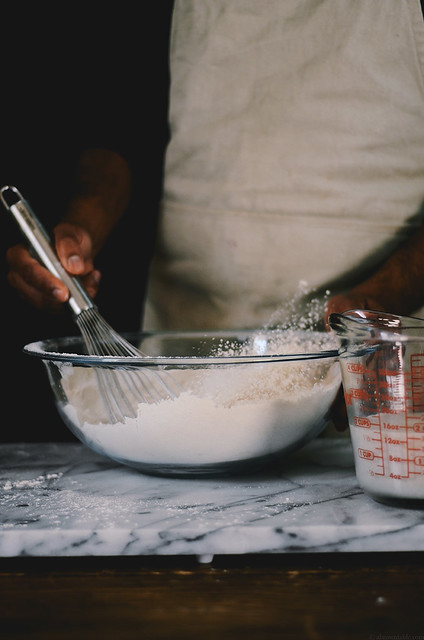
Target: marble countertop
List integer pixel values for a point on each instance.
(65, 500)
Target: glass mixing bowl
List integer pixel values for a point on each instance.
(239, 399)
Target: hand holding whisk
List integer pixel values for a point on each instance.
(121, 390)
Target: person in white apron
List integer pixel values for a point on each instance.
(296, 153)
(296, 160)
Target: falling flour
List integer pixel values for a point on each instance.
(225, 413)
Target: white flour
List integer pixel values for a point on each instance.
(225, 414)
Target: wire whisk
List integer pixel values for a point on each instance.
(121, 389)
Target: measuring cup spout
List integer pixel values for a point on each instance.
(339, 324)
(359, 324)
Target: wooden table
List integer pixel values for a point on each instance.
(305, 596)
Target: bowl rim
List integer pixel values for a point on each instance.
(39, 349)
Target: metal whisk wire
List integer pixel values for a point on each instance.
(121, 388)
(124, 387)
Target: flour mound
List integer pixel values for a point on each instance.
(225, 413)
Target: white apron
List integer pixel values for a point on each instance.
(296, 153)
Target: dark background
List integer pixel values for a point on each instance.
(74, 80)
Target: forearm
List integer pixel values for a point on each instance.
(101, 195)
(398, 285)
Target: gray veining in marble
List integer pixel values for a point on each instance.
(65, 500)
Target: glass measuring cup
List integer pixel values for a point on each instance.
(382, 364)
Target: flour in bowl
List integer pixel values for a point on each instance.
(225, 413)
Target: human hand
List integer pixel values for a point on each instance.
(352, 300)
(37, 285)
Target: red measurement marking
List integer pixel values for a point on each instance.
(361, 422)
(417, 378)
(393, 412)
(388, 372)
(397, 459)
(355, 368)
(392, 427)
(359, 394)
(418, 428)
(365, 454)
(390, 440)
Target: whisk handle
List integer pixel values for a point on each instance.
(39, 241)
